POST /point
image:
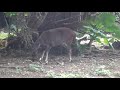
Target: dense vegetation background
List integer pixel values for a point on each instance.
(19, 30)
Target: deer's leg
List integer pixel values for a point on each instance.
(70, 52)
(70, 57)
(42, 55)
(47, 52)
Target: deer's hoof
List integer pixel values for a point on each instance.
(70, 60)
(46, 62)
(40, 59)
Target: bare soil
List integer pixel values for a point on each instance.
(97, 64)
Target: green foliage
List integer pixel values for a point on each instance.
(52, 74)
(18, 70)
(104, 24)
(35, 67)
(10, 14)
(15, 25)
(101, 71)
(106, 19)
(3, 35)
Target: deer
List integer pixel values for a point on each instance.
(54, 37)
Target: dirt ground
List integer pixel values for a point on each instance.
(98, 64)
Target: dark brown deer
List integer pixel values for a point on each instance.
(54, 37)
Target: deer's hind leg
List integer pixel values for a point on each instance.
(69, 52)
(70, 55)
(42, 55)
(47, 52)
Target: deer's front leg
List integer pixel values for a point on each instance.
(47, 52)
(70, 57)
(42, 55)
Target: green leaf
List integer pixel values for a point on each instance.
(112, 40)
(98, 40)
(106, 41)
(107, 19)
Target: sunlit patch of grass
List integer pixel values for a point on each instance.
(35, 68)
(3, 35)
(52, 74)
(18, 70)
(116, 74)
(3, 39)
(101, 71)
(70, 75)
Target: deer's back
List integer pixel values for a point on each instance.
(57, 36)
